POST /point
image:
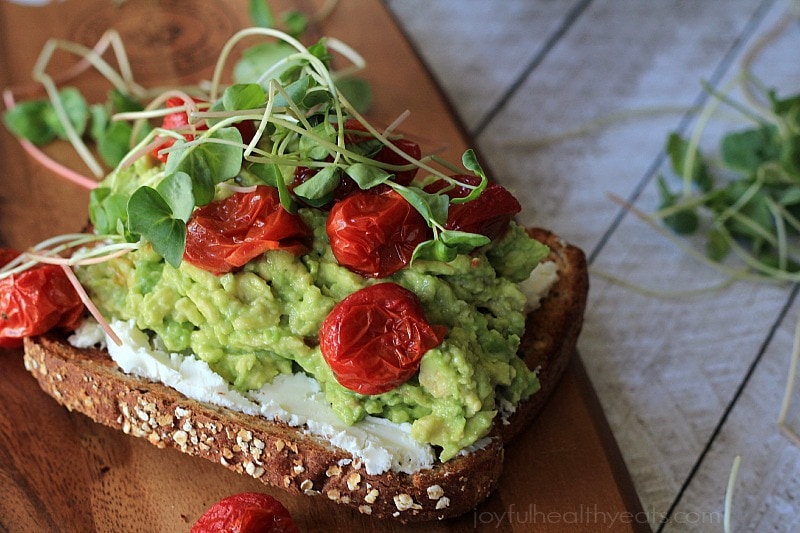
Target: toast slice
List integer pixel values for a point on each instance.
(88, 381)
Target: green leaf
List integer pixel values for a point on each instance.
(317, 96)
(113, 144)
(448, 245)
(717, 245)
(77, 111)
(784, 106)
(462, 241)
(258, 59)
(746, 150)
(320, 51)
(432, 207)
(208, 163)
(319, 189)
(470, 162)
(683, 222)
(150, 216)
(296, 92)
(107, 209)
(270, 174)
(261, 14)
(357, 91)
(789, 196)
(433, 250)
(176, 190)
(309, 148)
(790, 156)
(754, 217)
(100, 119)
(678, 150)
(243, 96)
(26, 120)
(367, 176)
(296, 23)
(123, 103)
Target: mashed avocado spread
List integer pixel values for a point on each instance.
(263, 320)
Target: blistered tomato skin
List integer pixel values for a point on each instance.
(35, 301)
(375, 338)
(247, 512)
(224, 235)
(489, 214)
(175, 121)
(375, 234)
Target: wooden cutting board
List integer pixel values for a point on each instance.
(61, 472)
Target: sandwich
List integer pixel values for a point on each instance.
(278, 286)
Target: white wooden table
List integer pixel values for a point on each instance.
(687, 383)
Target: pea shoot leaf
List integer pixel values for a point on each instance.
(150, 216)
(258, 59)
(38, 122)
(261, 14)
(790, 156)
(176, 190)
(432, 207)
(746, 150)
(26, 120)
(367, 176)
(107, 209)
(113, 142)
(208, 163)
(296, 23)
(679, 151)
(296, 91)
(448, 245)
(243, 96)
(318, 190)
(270, 174)
(683, 222)
(470, 162)
(357, 91)
(433, 250)
(717, 245)
(77, 111)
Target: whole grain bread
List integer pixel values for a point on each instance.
(88, 381)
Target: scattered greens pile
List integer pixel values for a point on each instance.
(749, 205)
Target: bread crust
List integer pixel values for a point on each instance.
(88, 381)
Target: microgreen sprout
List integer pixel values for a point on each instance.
(294, 115)
(728, 505)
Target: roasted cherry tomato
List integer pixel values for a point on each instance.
(7, 255)
(375, 338)
(35, 301)
(488, 214)
(225, 234)
(176, 121)
(247, 512)
(375, 234)
(386, 154)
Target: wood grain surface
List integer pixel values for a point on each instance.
(572, 101)
(61, 472)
